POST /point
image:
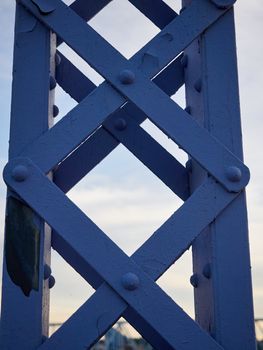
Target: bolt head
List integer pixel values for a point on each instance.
(127, 77)
(233, 174)
(223, 4)
(20, 173)
(130, 281)
(51, 281)
(120, 124)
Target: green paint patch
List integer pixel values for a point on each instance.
(22, 245)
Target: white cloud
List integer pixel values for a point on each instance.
(128, 208)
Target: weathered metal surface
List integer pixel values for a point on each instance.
(169, 80)
(22, 245)
(212, 60)
(208, 130)
(64, 217)
(24, 319)
(143, 93)
(143, 146)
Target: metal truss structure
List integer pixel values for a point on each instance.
(195, 48)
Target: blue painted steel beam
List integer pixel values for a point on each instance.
(81, 332)
(205, 195)
(72, 80)
(153, 266)
(64, 217)
(86, 9)
(24, 320)
(186, 232)
(141, 144)
(84, 159)
(40, 193)
(176, 178)
(78, 86)
(177, 128)
(223, 306)
(135, 295)
(156, 10)
(150, 153)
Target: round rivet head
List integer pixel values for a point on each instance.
(52, 82)
(20, 173)
(127, 77)
(198, 85)
(51, 282)
(47, 271)
(120, 124)
(130, 281)
(207, 271)
(194, 280)
(233, 174)
(55, 111)
(57, 59)
(222, 4)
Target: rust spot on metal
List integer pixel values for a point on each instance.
(22, 245)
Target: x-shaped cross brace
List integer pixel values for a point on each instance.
(146, 95)
(129, 282)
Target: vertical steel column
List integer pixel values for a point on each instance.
(221, 263)
(25, 319)
(223, 298)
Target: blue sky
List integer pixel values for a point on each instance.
(120, 195)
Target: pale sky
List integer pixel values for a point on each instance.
(120, 195)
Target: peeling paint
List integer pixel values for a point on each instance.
(22, 245)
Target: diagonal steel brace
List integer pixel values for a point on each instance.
(24, 178)
(145, 94)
